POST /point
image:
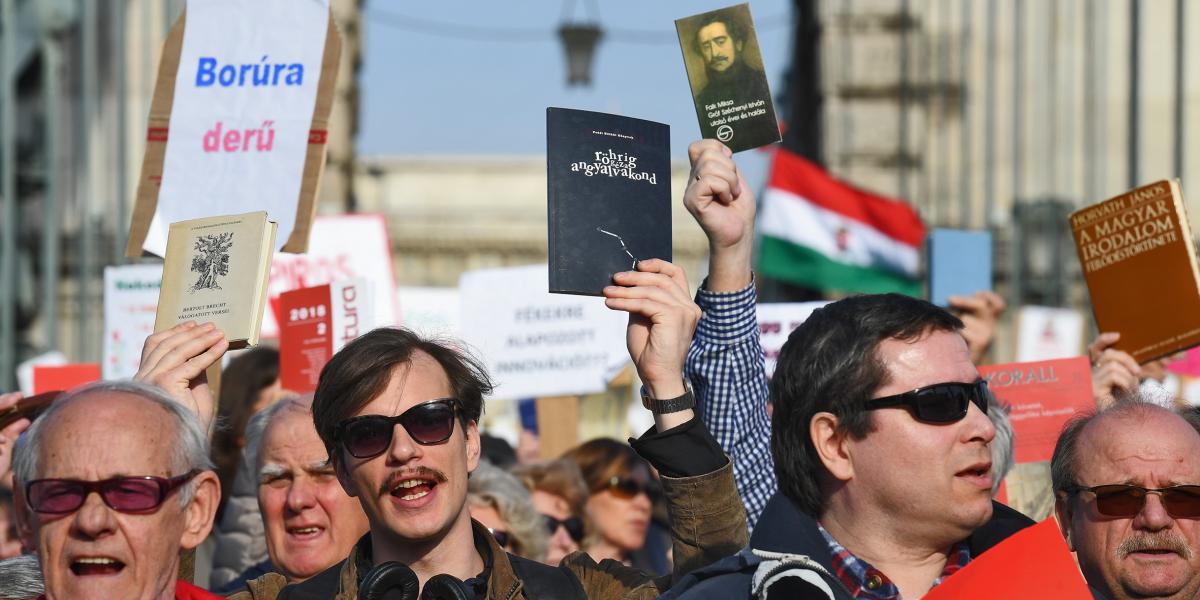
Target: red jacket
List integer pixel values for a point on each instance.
(187, 591)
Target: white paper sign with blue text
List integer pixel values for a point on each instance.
(242, 112)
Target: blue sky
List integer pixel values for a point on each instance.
(427, 91)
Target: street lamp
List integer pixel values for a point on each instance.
(579, 41)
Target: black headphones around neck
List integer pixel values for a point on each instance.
(396, 581)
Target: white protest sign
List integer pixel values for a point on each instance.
(242, 112)
(776, 320)
(431, 311)
(340, 247)
(1047, 333)
(535, 343)
(130, 304)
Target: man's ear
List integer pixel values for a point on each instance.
(474, 446)
(1063, 513)
(201, 512)
(24, 520)
(830, 443)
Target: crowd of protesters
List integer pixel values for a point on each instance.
(865, 468)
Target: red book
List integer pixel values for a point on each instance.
(1042, 397)
(1032, 563)
(315, 322)
(64, 377)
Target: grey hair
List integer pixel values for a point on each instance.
(1002, 444)
(190, 450)
(257, 426)
(492, 486)
(21, 578)
(1065, 461)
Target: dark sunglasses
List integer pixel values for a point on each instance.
(502, 537)
(369, 436)
(573, 525)
(940, 402)
(1121, 500)
(628, 487)
(123, 494)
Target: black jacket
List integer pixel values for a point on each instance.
(785, 529)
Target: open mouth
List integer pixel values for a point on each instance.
(979, 474)
(305, 532)
(96, 566)
(413, 489)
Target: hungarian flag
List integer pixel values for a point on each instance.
(828, 235)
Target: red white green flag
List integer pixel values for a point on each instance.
(828, 235)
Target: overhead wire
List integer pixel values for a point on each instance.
(477, 33)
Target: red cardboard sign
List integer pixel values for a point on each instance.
(1043, 396)
(64, 377)
(1032, 563)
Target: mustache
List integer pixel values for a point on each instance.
(1159, 540)
(418, 473)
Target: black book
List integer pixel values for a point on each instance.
(609, 190)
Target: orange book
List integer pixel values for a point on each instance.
(1032, 563)
(1139, 262)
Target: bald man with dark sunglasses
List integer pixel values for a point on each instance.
(1127, 488)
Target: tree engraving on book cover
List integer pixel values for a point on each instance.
(609, 197)
(728, 82)
(211, 260)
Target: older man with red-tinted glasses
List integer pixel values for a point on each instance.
(119, 482)
(1127, 482)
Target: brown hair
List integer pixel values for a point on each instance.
(361, 370)
(559, 477)
(602, 459)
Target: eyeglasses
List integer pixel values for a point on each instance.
(123, 494)
(1121, 500)
(940, 402)
(502, 537)
(573, 525)
(628, 487)
(369, 436)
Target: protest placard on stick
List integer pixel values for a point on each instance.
(239, 118)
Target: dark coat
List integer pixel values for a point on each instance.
(708, 522)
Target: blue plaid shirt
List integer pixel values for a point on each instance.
(726, 369)
(868, 583)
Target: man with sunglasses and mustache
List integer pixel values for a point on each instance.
(879, 441)
(118, 483)
(399, 416)
(1127, 488)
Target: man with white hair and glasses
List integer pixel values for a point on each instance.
(118, 483)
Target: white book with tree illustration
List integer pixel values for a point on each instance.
(216, 270)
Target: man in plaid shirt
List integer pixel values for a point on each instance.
(876, 465)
